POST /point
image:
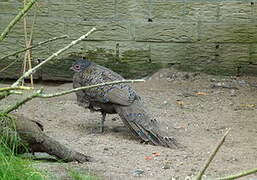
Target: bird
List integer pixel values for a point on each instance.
(119, 99)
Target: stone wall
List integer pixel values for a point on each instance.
(137, 37)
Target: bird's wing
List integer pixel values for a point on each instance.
(121, 94)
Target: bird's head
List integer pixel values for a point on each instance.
(80, 65)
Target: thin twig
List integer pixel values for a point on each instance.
(88, 87)
(33, 46)
(31, 71)
(4, 94)
(16, 19)
(15, 88)
(29, 44)
(34, 69)
(7, 93)
(19, 103)
(206, 165)
(9, 65)
(26, 43)
(39, 94)
(245, 173)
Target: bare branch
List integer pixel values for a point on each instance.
(28, 42)
(15, 88)
(199, 176)
(88, 87)
(34, 69)
(18, 104)
(9, 65)
(6, 91)
(33, 46)
(242, 174)
(16, 19)
(40, 94)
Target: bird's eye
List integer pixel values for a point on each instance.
(77, 67)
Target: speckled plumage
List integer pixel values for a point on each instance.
(118, 98)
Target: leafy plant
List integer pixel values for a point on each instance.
(76, 175)
(13, 167)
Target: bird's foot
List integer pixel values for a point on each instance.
(101, 129)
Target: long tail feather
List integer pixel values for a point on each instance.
(137, 119)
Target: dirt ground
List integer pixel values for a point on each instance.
(194, 108)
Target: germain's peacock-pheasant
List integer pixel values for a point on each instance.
(119, 98)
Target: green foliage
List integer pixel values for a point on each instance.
(76, 175)
(13, 167)
(134, 70)
(8, 136)
(16, 168)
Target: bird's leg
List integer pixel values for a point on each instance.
(102, 122)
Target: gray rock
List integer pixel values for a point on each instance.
(138, 172)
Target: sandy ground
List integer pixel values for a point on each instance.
(194, 108)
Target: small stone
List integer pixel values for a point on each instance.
(169, 79)
(188, 178)
(242, 82)
(138, 172)
(61, 102)
(222, 85)
(193, 169)
(186, 77)
(232, 92)
(166, 166)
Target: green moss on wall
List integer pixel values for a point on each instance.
(134, 70)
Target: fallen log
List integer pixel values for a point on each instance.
(31, 134)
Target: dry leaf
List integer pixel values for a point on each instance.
(179, 102)
(201, 93)
(182, 126)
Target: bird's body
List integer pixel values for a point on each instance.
(118, 98)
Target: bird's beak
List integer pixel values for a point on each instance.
(71, 68)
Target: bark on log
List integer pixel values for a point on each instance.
(31, 133)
